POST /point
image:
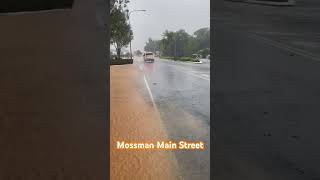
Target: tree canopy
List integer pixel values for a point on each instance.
(115, 4)
(138, 52)
(152, 45)
(203, 37)
(120, 30)
(181, 44)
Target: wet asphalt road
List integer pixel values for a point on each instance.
(181, 92)
(266, 92)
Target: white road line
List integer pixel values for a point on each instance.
(196, 75)
(286, 47)
(284, 33)
(191, 74)
(205, 75)
(149, 91)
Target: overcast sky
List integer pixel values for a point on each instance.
(172, 15)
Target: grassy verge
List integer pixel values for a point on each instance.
(177, 58)
(121, 61)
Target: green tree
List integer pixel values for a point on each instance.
(138, 52)
(176, 43)
(182, 41)
(168, 43)
(115, 4)
(120, 30)
(203, 38)
(204, 52)
(152, 45)
(181, 44)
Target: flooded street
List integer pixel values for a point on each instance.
(181, 93)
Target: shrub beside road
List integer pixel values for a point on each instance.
(177, 58)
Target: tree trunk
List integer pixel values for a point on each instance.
(118, 53)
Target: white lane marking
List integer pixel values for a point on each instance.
(195, 75)
(149, 91)
(284, 33)
(186, 71)
(286, 47)
(205, 75)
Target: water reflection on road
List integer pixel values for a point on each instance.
(181, 92)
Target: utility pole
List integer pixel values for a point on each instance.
(130, 26)
(175, 47)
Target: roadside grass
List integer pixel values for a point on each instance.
(186, 59)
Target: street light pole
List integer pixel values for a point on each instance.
(175, 47)
(130, 26)
(130, 45)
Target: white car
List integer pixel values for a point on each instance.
(148, 57)
(196, 59)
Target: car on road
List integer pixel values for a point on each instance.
(148, 57)
(196, 59)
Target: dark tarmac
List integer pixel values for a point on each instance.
(266, 92)
(181, 93)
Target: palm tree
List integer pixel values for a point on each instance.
(168, 42)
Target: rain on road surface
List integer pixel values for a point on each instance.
(266, 91)
(181, 92)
